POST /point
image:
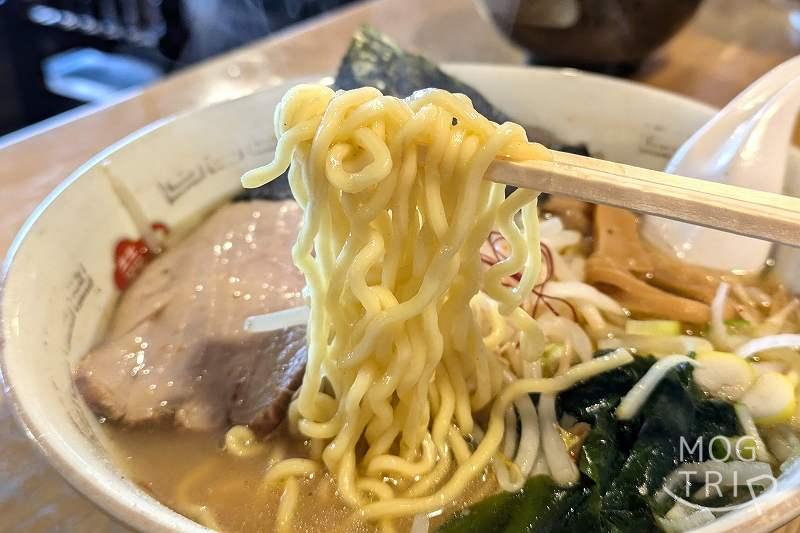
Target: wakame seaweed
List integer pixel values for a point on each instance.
(539, 506)
(490, 514)
(622, 464)
(372, 60)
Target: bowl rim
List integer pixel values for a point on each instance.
(121, 505)
(115, 504)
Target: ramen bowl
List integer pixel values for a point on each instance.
(61, 277)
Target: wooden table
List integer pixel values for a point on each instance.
(727, 45)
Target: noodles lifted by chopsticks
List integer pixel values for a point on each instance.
(395, 213)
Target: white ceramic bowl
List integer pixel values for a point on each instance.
(59, 292)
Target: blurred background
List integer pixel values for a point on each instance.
(56, 55)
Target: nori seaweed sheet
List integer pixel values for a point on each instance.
(373, 60)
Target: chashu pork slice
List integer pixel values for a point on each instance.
(176, 350)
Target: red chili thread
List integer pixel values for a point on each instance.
(494, 238)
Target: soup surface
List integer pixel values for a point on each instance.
(191, 473)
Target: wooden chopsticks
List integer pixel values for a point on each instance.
(763, 215)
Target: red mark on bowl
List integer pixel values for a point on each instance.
(131, 256)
